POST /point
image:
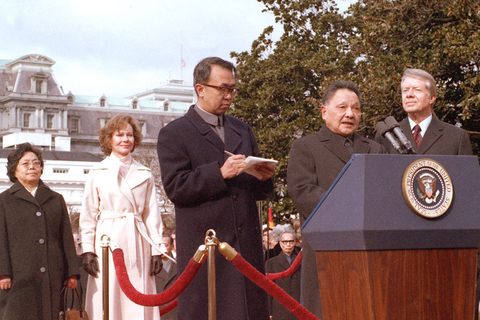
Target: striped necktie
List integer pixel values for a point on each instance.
(416, 134)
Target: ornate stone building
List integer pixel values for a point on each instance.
(34, 108)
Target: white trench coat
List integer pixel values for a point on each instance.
(120, 207)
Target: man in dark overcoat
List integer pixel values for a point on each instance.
(36, 252)
(315, 162)
(280, 263)
(167, 276)
(209, 192)
(419, 93)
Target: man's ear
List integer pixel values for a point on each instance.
(432, 100)
(200, 90)
(323, 110)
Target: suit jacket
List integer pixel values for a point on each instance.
(441, 138)
(290, 284)
(315, 162)
(190, 155)
(163, 281)
(36, 252)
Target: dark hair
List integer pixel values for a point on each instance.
(17, 154)
(202, 70)
(170, 239)
(118, 123)
(337, 85)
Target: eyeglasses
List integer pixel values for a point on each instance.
(27, 164)
(287, 241)
(225, 90)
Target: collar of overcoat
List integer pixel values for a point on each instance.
(233, 137)
(433, 133)
(331, 141)
(42, 195)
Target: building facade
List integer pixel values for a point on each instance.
(34, 108)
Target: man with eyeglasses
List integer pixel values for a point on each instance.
(201, 155)
(291, 284)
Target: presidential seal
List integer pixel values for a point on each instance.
(427, 188)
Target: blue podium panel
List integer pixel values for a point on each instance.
(365, 208)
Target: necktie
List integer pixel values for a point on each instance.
(416, 134)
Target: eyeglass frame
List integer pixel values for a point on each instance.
(288, 241)
(233, 91)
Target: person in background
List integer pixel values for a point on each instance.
(37, 254)
(121, 202)
(291, 284)
(271, 246)
(167, 276)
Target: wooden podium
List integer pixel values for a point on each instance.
(379, 260)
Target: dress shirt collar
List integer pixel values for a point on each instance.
(423, 125)
(208, 117)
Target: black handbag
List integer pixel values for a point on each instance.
(70, 313)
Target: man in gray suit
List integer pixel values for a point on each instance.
(425, 131)
(315, 162)
(167, 276)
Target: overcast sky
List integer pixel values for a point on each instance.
(122, 47)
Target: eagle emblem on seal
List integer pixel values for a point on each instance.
(428, 187)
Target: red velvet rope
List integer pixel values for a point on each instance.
(158, 299)
(271, 288)
(172, 305)
(289, 271)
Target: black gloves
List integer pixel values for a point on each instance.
(156, 265)
(90, 263)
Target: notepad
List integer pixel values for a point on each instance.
(252, 161)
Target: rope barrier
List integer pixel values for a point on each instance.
(266, 284)
(164, 297)
(169, 307)
(287, 273)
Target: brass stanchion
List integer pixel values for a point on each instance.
(105, 297)
(210, 242)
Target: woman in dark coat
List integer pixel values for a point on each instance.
(37, 255)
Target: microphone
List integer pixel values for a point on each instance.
(384, 131)
(393, 126)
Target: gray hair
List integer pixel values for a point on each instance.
(421, 75)
(280, 229)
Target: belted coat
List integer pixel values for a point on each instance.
(36, 252)
(120, 207)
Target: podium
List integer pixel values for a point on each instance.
(378, 259)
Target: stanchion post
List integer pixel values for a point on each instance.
(105, 296)
(210, 242)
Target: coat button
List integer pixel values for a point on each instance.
(240, 229)
(41, 241)
(43, 269)
(38, 214)
(235, 197)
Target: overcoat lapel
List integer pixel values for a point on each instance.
(360, 145)
(434, 132)
(233, 138)
(19, 191)
(327, 139)
(43, 193)
(204, 129)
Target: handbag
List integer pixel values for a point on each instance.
(70, 313)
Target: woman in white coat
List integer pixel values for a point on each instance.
(120, 201)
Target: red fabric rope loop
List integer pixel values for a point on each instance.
(271, 288)
(158, 299)
(289, 271)
(169, 307)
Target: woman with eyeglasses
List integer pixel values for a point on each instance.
(37, 254)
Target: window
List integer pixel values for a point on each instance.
(50, 119)
(102, 102)
(73, 125)
(26, 120)
(60, 170)
(135, 104)
(38, 86)
(86, 171)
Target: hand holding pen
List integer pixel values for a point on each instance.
(233, 165)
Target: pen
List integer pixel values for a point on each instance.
(229, 153)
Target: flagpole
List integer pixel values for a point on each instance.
(181, 62)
